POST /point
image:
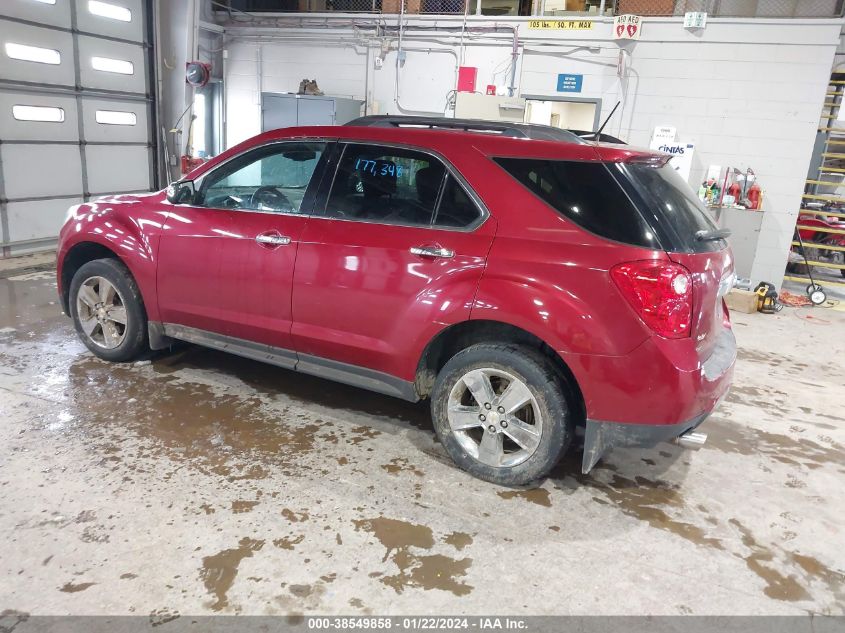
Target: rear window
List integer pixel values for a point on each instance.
(675, 204)
(585, 193)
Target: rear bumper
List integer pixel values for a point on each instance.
(698, 392)
(600, 437)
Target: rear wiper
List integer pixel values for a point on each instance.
(710, 236)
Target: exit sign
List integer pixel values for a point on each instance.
(569, 83)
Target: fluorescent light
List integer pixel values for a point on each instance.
(113, 117)
(33, 53)
(38, 113)
(112, 11)
(109, 65)
(46, 1)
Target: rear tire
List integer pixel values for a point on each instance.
(501, 414)
(108, 311)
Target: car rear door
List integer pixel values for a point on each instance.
(393, 254)
(226, 265)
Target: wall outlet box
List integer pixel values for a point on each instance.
(379, 62)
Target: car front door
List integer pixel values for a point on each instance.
(393, 254)
(227, 261)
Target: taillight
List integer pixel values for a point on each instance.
(660, 293)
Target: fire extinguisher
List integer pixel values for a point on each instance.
(754, 196)
(735, 190)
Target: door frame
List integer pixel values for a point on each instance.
(560, 98)
(322, 197)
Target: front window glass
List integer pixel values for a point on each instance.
(273, 178)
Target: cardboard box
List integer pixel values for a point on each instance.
(742, 301)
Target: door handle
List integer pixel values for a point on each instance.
(432, 251)
(272, 239)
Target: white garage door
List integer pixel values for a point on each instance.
(75, 111)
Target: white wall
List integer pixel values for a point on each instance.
(747, 91)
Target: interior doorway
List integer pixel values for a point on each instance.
(569, 113)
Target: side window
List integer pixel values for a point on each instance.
(586, 194)
(273, 178)
(386, 185)
(456, 209)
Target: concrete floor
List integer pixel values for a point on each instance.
(197, 482)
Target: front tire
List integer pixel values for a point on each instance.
(108, 311)
(501, 414)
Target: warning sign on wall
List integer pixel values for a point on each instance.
(561, 25)
(627, 27)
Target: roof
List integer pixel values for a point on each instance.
(443, 139)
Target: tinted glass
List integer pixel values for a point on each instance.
(273, 178)
(456, 209)
(675, 204)
(385, 185)
(585, 193)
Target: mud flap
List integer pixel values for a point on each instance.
(156, 336)
(600, 437)
(594, 445)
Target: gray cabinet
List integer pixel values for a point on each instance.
(289, 110)
(745, 233)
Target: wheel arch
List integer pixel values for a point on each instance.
(77, 256)
(452, 339)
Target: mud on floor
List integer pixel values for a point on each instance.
(196, 482)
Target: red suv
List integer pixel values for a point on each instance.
(524, 280)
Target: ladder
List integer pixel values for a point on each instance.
(833, 162)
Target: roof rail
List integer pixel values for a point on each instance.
(504, 128)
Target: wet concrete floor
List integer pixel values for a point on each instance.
(195, 482)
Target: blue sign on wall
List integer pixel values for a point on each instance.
(569, 83)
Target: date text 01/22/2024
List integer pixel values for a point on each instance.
(417, 623)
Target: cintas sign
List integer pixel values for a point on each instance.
(627, 27)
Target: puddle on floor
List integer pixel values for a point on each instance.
(729, 437)
(424, 571)
(218, 572)
(539, 496)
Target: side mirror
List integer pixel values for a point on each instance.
(181, 192)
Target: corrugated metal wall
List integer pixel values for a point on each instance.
(75, 111)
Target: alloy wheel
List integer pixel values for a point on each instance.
(495, 417)
(101, 312)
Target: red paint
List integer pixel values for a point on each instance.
(466, 78)
(353, 292)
